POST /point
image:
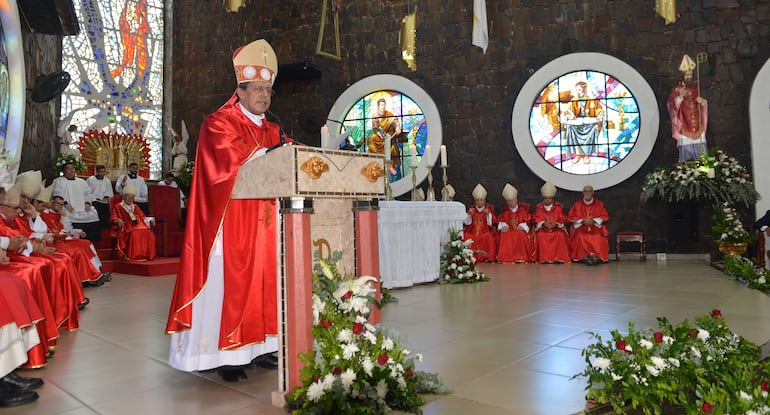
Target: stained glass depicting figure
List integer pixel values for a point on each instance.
(116, 66)
(388, 116)
(584, 122)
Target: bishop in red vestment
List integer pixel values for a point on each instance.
(479, 226)
(136, 242)
(513, 241)
(224, 307)
(589, 235)
(551, 239)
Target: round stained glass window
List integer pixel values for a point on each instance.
(585, 118)
(584, 122)
(389, 114)
(383, 107)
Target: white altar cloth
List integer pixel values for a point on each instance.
(411, 235)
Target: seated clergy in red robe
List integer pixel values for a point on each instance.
(479, 226)
(551, 240)
(132, 228)
(513, 241)
(31, 223)
(62, 283)
(589, 236)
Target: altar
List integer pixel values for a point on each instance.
(411, 235)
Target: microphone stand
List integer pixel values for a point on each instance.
(281, 135)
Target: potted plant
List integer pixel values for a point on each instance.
(729, 233)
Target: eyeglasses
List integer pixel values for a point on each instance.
(263, 90)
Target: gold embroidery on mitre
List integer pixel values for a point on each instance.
(314, 167)
(373, 171)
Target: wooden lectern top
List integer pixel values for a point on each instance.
(302, 171)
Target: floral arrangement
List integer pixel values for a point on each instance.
(458, 265)
(727, 225)
(744, 270)
(184, 176)
(700, 367)
(356, 367)
(62, 159)
(716, 177)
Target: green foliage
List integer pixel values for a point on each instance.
(184, 176)
(701, 367)
(356, 367)
(716, 177)
(744, 270)
(63, 159)
(458, 265)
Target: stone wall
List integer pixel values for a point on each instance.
(475, 92)
(42, 56)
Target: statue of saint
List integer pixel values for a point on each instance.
(66, 133)
(179, 149)
(689, 114)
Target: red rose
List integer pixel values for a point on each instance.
(358, 328)
(621, 344)
(326, 323)
(707, 408)
(347, 295)
(409, 374)
(766, 386)
(693, 333)
(337, 370)
(315, 378)
(383, 359)
(716, 313)
(658, 337)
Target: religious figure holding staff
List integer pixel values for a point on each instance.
(689, 112)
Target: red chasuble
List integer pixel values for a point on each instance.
(136, 242)
(227, 140)
(589, 239)
(483, 235)
(514, 245)
(551, 245)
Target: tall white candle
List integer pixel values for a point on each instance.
(414, 155)
(324, 135)
(426, 154)
(443, 155)
(387, 148)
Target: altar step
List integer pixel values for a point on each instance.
(154, 268)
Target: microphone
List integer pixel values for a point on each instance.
(281, 135)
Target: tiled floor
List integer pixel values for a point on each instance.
(508, 346)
